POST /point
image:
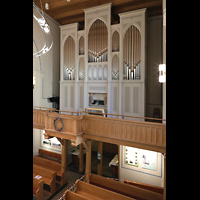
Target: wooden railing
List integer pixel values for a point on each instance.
(71, 127)
(141, 134)
(78, 128)
(39, 116)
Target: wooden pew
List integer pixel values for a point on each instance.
(97, 193)
(123, 188)
(48, 176)
(74, 196)
(153, 188)
(49, 155)
(38, 188)
(51, 165)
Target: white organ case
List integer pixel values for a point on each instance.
(104, 58)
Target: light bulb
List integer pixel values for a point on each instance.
(47, 6)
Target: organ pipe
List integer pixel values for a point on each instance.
(132, 53)
(98, 42)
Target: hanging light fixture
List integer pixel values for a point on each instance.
(45, 28)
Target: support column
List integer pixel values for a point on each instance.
(100, 150)
(87, 146)
(119, 161)
(64, 159)
(81, 160)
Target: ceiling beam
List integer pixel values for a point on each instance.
(72, 19)
(137, 5)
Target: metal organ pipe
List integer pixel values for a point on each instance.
(132, 53)
(97, 42)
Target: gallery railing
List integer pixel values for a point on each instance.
(79, 126)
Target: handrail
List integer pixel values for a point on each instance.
(79, 113)
(124, 116)
(45, 108)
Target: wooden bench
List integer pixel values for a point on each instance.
(74, 196)
(49, 155)
(51, 165)
(38, 188)
(153, 188)
(97, 193)
(123, 188)
(48, 176)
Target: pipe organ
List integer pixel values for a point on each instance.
(104, 59)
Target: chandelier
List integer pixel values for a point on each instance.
(45, 28)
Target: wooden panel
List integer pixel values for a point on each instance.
(94, 192)
(72, 124)
(124, 189)
(39, 118)
(74, 196)
(118, 131)
(128, 130)
(146, 186)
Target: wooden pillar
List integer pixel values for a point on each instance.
(64, 157)
(118, 161)
(100, 150)
(81, 163)
(88, 160)
(164, 195)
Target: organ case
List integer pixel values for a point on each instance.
(105, 56)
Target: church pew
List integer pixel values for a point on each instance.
(48, 164)
(123, 188)
(74, 196)
(153, 188)
(49, 155)
(48, 176)
(38, 188)
(97, 193)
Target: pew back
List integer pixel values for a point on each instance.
(38, 188)
(48, 176)
(50, 154)
(125, 189)
(48, 164)
(153, 188)
(97, 193)
(74, 196)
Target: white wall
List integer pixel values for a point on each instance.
(46, 70)
(46, 67)
(154, 58)
(142, 175)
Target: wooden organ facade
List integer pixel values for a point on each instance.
(104, 59)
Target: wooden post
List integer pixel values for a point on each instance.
(118, 161)
(81, 163)
(100, 150)
(64, 160)
(164, 195)
(88, 160)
